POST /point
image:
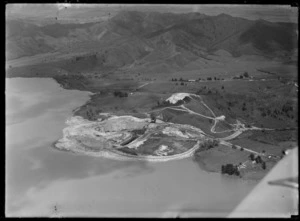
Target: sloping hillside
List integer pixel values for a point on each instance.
(270, 38)
(152, 39)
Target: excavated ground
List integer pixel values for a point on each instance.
(130, 137)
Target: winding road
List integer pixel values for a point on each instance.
(238, 129)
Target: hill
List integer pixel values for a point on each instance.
(153, 40)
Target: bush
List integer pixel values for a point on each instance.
(216, 142)
(263, 165)
(251, 156)
(153, 118)
(258, 159)
(187, 99)
(246, 75)
(208, 144)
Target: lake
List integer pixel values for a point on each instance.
(43, 181)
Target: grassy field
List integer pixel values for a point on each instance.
(223, 126)
(273, 137)
(259, 147)
(213, 159)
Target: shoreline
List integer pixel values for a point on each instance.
(111, 156)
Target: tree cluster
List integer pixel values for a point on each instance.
(163, 104)
(207, 90)
(286, 110)
(258, 160)
(120, 94)
(208, 144)
(78, 58)
(246, 75)
(244, 107)
(91, 114)
(230, 169)
(182, 80)
(215, 78)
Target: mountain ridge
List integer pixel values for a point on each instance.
(176, 37)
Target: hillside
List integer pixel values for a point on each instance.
(162, 41)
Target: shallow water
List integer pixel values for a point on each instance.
(42, 181)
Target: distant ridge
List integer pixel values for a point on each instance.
(136, 38)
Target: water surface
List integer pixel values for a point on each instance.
(42, 181)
